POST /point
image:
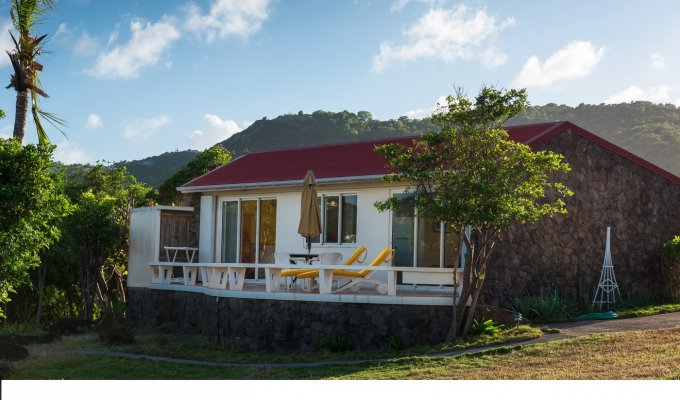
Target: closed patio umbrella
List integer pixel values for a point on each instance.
(310, 218)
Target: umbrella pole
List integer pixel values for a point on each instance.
(309, 245)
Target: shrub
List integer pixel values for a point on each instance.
(392, 343)
(484, 327)
(115, 327)
(20, 328)
(546, 308)
(670, 269)
(337, 344)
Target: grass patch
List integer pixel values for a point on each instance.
(650, 354)
(644, 311)
(20, 329)
(197, 347)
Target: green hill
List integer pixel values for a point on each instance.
(155, 170)
(652, 131)
(320, 127)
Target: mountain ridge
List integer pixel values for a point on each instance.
(650, 131)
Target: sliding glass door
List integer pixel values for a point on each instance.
(248, 231)
(421, 242)
(229, 246)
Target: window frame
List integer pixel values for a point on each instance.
(320, 240)
(219, 236)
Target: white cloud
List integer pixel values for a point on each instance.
(5, 41)
(70, 153)
(575, 60)
(657, 61)
(148, 43)
(459, 33)
(425, 112)
(227, 18)
(94, 121)
(654, 94)
(61, 30)
(112, 38)
(141, 129)
(214, 130)
(85, 45)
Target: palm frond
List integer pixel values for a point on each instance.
(52, 119)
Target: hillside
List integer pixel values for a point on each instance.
(320, 127)
(154, 170)
(651, 131)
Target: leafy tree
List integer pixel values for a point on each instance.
(85, 270)
(469, 174)
(32, 205)
(205, 162)
(97, 233)
(25, 15)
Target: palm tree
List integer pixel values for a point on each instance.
(25, 15)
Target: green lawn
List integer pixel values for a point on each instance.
(197, 347)
(653, 354)
(648, 310)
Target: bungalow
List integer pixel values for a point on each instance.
(248, 210)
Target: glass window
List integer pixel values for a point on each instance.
(349, 219)
(267, 231)
(338, 219)
(331, 216)
(229, 231)
(428, 243)
(248, 230)
(431, 241)
(402, 235)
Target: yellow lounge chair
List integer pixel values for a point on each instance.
(356, 278)
(359, 255)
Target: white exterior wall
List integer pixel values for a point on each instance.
(373, 227)
(145, 241)
(145, 226)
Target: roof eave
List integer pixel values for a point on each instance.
(278, 184)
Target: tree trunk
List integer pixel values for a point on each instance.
(20, 116)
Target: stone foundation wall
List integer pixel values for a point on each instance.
(266, 325)
(566, 253)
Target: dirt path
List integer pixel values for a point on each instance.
(567, 330)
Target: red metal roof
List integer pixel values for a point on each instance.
(356, 160)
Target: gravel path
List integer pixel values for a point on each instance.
(567, 330)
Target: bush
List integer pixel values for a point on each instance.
(392, 343)
(337, 344)
(115, 327)
(670, 269)
(484, 327)
(20, 329)
(546, 308)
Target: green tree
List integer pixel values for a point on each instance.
(26, 14)
(97, 234)
(85, 270)
(32, 205)
(469, 174)
(210, 159)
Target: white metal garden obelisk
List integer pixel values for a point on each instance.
(607, 288)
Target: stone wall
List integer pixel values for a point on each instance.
(566, 253)
(266, 325)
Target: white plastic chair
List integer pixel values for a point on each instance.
(330, 258)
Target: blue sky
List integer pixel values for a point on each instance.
(139, 78)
